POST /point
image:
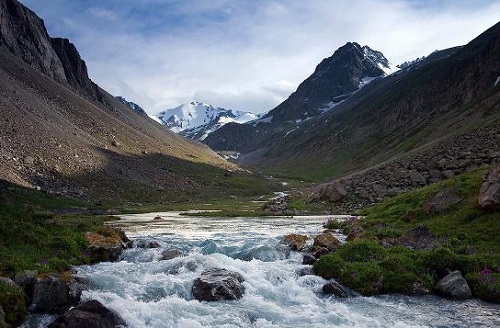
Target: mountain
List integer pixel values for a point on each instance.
(197, 120)
(334, 80)
(451, 93)
(136, 108)
(63, 134)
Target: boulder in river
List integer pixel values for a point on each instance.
(334, 288)
(308, 259)
(217, 285)
(91, 314)
(295, 242)
(327, 241)
(169, 254)
(145, 243)
(489, 195)
(454, 286)
(106, 245)
(54, 295)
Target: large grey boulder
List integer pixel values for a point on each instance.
(54, 295)
(489, 195)
(91, 314)
(217, 285)
(454, 286)
(169, 254)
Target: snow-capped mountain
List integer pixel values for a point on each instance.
(197, 120)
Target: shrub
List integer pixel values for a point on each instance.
(365, 277)
(361, 250)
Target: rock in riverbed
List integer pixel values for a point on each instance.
(295, 242)
(54, 295)
(91, 314)
(217, 285)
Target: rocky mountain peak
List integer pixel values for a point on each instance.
(24, 34)
(132, 105)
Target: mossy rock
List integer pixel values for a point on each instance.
(12, 300)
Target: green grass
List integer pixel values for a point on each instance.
(34, 238)
(472, 246)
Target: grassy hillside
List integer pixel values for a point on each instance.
(465, 238)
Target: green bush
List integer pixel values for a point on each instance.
(12, 300)
(364, 277)
(361, 250)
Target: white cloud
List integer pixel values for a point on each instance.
(247, 55)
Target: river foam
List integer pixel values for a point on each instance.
(148, 292)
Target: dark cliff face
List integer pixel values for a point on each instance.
(24, 34)
(75, 69)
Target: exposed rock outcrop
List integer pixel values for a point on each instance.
(489, 195)
(454, 286)
(54, 295)
(24, 34)
(91, 314)
(295, 242)
(327, 241)
(218, 285)
(441, 201)
(107, 245)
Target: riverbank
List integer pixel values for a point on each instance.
(409, 243)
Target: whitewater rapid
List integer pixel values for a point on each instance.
(279, 290)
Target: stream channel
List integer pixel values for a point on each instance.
(148, 292)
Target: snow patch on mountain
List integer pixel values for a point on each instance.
(197, 120)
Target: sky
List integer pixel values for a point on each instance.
(245, 54)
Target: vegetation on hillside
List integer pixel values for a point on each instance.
(469, 239)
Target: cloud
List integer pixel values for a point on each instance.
(246, 55)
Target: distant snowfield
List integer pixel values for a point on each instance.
(197, 120)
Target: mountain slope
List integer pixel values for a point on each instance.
(197, 120)
(335, 79)
(62, 133)
(450, 93)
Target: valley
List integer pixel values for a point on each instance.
(350, 203)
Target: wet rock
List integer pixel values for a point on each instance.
(169, 254)
(317, 251)
(144, 243)
(327, 241)
(489, 195)
(55, 295)
(308, 259)
(307, 271)
(419, 290)
(332, 192)
(454, 286)
(441, 201)
(334, 288)
(91, 314)
(217, 285)
(295, 242)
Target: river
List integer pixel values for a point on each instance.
(148, 292)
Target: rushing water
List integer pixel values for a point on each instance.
(148, 292)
